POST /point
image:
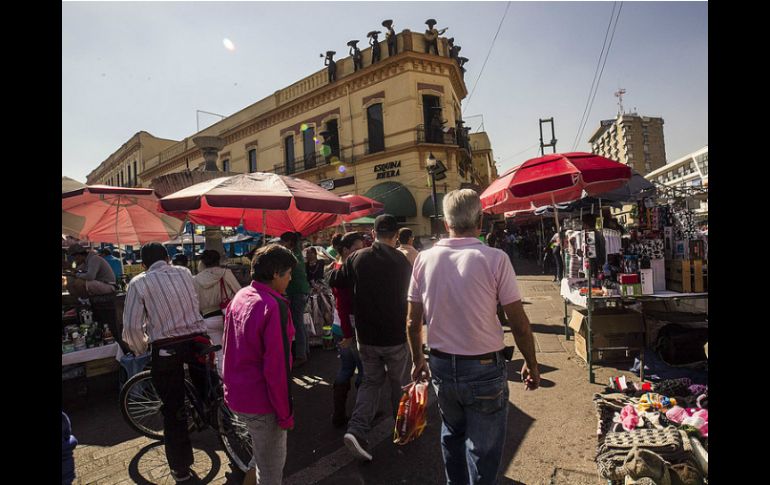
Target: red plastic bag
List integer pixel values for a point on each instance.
(412, 413)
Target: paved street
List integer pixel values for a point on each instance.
(550, 437)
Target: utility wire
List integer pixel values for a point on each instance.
(488, 54)
(602, 71)
(593, 82)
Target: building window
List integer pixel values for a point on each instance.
(376, 128)
(252, 160)
(226, 165)
(333, 139)
(431, 113)
(128, 179)
(288, 154)
(136, 175)
(308, 145)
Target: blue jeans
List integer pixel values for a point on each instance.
(473, 400)
(298, 303)
(349, 361)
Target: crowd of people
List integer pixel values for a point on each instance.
(385, 290)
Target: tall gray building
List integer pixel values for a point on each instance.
(634, 140)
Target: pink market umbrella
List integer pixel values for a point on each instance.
(553, 179)
(265, 202)
(118, 215)
(360, 206)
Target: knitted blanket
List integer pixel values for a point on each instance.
(671, 444)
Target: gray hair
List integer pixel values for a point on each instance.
(462, 210)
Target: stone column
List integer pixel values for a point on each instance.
(210, 147)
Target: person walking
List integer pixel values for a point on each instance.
(456, 286)
(379, 276)
(257, 361)
(215, 285)
(161, 309)
(406, 244)
(298, 292)
(344, 333)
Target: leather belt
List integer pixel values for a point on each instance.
(444, 355)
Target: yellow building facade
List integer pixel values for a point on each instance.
(380, 122)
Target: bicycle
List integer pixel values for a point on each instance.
(140, 405)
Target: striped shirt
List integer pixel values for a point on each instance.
(160, 303)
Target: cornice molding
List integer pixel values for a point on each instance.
(354, 82)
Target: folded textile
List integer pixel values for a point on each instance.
(643, 463)
(674, 387)
(654, 401)
(671, 444)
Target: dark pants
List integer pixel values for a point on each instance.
(559, 263)
(301, 346)
(168, 378)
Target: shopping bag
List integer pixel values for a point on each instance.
(412, 412)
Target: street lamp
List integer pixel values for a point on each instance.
(432, 163)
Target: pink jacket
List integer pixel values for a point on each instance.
(254, 370)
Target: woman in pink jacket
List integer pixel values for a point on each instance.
(257, 360)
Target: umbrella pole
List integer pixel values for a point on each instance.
(117, 236)
(264, 227)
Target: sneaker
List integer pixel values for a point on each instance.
(181, 476)
(357, 446)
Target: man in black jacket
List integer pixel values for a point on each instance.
(379, 276)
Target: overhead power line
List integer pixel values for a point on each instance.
(590, 106)
(488, 54)
(596, 73)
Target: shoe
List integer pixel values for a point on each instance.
(184, 476)
(299, 362)
(357, 446)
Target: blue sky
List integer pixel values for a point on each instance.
(149, 66)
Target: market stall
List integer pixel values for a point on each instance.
(655, 432)
(630, 275)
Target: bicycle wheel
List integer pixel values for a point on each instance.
(235, 437)
(140, 405)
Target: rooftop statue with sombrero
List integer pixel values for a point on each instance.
(431, 36)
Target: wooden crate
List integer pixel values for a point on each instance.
(685, 275)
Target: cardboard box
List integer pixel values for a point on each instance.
(631, 290)
(101, 366)
(647, 281)
(610, 329)
(603, 354)
(658, 275)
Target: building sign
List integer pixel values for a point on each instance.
(387, 170)
(331, 184)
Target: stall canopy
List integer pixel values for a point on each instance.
(398, 200)
(118, 215)
(265, 202)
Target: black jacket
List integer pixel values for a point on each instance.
(379, 276)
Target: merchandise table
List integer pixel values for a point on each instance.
(94, 353)
(590, 303)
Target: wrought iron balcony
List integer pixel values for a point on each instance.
(435, 135)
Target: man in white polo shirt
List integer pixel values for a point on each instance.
(456, 285)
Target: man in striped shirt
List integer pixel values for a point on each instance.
(162, 309)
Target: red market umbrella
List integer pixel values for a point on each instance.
(360, 206)
(118, 215)
(265, 202)
(553, 179)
